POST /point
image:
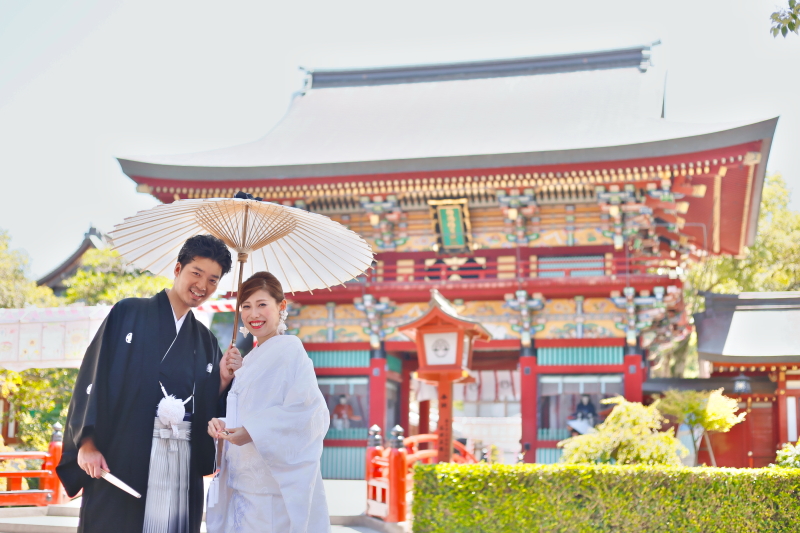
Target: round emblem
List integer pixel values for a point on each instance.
(440, 348)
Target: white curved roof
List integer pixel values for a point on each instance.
(564, 109)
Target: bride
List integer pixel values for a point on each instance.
(269, 479)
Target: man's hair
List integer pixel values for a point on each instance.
(206, 246)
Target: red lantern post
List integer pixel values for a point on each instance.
(444, 347)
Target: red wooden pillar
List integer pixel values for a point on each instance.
(405, 396)
(444, 427)
(633, 377)
(377, 394)
(528, 398)
(424, 417)
(783, 419)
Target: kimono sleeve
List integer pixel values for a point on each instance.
(289, 438)
(82, 415)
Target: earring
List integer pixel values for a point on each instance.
(282, 324)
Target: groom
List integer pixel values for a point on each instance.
(146, 349)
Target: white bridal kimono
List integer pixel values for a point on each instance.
(273, 484)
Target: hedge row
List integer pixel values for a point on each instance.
(450, 498)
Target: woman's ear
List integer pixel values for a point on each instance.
(283, 305)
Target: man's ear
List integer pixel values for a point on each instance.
(177, 269)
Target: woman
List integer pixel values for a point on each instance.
(269, 478)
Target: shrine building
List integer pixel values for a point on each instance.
(546, 198)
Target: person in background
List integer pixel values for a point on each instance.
(343, 413)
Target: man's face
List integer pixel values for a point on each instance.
(197, 281)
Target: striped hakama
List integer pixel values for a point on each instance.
(167, 506)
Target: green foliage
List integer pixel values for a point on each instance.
(451, 498)
(786, 20)
(14, 465)
(104, 278)
(41, 398)
(720, 412)
(771, 264)
(629, 435)
(788, 456)
(709, 411)
(16, 290)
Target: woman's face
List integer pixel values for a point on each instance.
(261, 314)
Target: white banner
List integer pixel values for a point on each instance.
(54, 337)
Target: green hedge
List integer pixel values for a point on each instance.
(450, 498)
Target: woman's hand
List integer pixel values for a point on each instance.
(231, 362)
(215, 428)
(236, 436)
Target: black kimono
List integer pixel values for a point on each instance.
(115, 400)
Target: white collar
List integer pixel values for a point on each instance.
(178, 321)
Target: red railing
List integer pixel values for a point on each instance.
(514, 268)
(50, 491)
(389, 470)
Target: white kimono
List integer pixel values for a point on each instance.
(273, 484)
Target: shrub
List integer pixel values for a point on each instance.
(452, 498)
(788, 456)
(707, 411)
(629, 435)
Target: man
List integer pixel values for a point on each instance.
(145, 350)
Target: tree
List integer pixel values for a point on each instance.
(104, 278)
(629, 435)
(41, 396)
(772, 263)
(34, 400)
(786, 20)
(703, 411)
(16, 290)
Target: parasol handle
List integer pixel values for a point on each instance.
(242, 261)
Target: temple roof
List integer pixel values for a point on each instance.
(749, 328)
(597, 106)
(758, 385)
(93, 238)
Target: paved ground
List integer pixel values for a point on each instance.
(345, 498)
(44, 524)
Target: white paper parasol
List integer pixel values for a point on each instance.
(305, 251)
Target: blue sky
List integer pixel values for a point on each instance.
(84, 81)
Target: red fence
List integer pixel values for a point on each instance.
(50, 491)
(512, 267)
(389, 471)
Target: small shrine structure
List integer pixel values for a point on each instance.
(444, 344)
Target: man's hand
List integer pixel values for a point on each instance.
(90, 459)
(236, 436)
(215, 427)
(231, 362)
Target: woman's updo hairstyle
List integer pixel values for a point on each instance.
(261, 281)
